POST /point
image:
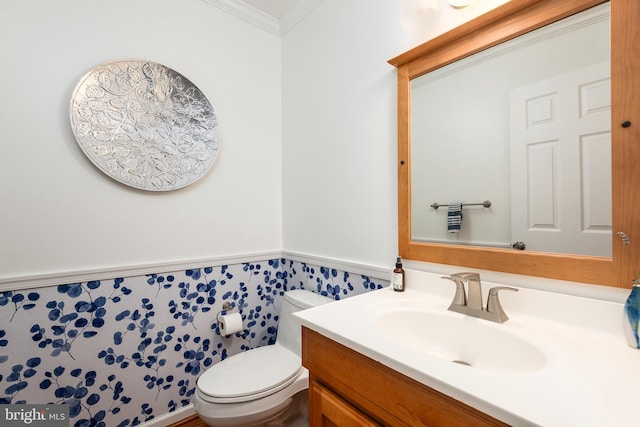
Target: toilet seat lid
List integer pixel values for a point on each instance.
(251, 374)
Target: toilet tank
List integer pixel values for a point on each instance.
(289, 327)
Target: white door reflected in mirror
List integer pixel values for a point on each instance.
(561, 163)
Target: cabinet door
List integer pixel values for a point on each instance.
(327, 409)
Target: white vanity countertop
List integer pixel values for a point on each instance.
(590, 376)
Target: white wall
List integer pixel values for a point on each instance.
(59, 213)
(308, 134)
(339, 126)
(339, 131)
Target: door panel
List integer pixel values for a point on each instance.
(561, 163)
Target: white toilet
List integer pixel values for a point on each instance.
(265, 386)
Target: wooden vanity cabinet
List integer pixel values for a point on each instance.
(348, 389)
(330, 410)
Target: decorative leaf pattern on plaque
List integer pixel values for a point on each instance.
(144, 124)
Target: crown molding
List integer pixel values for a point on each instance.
(247, 13)
(300, 11)
(264, 21)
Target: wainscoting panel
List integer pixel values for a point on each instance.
(124, 351)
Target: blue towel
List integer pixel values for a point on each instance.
(454, 217)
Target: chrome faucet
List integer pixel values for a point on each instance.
(470, 302)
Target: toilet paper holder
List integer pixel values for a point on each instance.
(227, 306)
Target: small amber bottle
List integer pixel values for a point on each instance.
(397, 277)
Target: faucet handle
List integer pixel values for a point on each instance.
(460, 298)
(466, 276)
(493, 303)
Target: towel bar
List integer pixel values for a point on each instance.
(486, 204)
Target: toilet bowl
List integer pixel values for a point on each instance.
(264, 386)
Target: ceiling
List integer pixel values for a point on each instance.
(275, 8)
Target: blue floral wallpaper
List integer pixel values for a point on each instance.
(123, 351)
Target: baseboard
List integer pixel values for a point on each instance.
(170, 418)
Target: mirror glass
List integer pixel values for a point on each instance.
(520, 135)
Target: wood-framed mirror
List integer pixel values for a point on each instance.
(510, 20)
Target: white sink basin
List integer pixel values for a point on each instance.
(552, 346)
(467, 341)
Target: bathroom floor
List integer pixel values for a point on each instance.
(192, 421)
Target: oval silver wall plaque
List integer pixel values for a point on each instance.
(144, 124)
